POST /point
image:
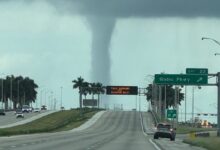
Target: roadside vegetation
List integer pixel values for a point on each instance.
(210, 143)
(183, 129)
(86, 88)
(58, 121)
(19, 90)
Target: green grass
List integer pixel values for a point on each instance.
(59, 121)
(181, 129)
(210, 143)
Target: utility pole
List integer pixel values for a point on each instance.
(193, 105)
(2, 94)
(11, 93)
(165, 101)
(160, 101)
(18, 91)
(185, 102)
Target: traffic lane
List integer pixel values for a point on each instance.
(148, 123)
(107, 123)
(114, 130)
(132, 138)
(10, 118)
(166, 144)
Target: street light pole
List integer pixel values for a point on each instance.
(185, 102)
(18, 90)
(218, 104)
(11, 93)
(61, 94)
(2, 94)
(207, 38)
(193, 105)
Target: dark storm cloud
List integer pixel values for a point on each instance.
(102, 16)
(144, 8)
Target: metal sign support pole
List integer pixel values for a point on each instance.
(218, 103)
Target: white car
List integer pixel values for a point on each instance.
(26, 108)
(36, 110)
(19, 114)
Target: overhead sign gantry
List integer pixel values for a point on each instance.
(193, 76)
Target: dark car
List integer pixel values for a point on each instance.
(43, 107)
(165, 130)
(2, 112)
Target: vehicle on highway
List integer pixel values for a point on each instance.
(19, 113)
(36, 110)
(43, 107)
(26, 109)
(2, 112)
(165, 130)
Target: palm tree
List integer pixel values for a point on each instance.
(79, 84)
(100, 90)
(93, 89)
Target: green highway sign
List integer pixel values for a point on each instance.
(171, 113)
(181, 79)
(197, 71)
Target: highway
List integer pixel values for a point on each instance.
(117, 130)
(10, 119)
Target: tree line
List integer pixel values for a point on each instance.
(86, 88)
(172, 95)
(19, 90)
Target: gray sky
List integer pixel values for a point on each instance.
(51, 42)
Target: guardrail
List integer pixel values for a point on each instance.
(156, 120)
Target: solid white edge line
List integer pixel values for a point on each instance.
(154, 144)
(142, 127)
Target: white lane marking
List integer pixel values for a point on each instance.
(142, 127)
(154, 144)
(13, 146)
(89, 123)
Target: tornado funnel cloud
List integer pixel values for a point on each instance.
(102, 29)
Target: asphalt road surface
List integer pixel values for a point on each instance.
(10, 118)
(113, 131)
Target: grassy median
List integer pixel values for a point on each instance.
(58, 121)
(210, 143)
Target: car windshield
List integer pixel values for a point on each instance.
(164, 126)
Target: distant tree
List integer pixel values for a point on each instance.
(153, 96)
(19, 90)
(100, 90)
(78, 83)
(85, 89)
(93, 88)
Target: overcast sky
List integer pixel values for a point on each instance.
(53, 43)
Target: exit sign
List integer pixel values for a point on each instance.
(197, 71)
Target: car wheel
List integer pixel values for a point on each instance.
(172, 138)
(156, 137)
